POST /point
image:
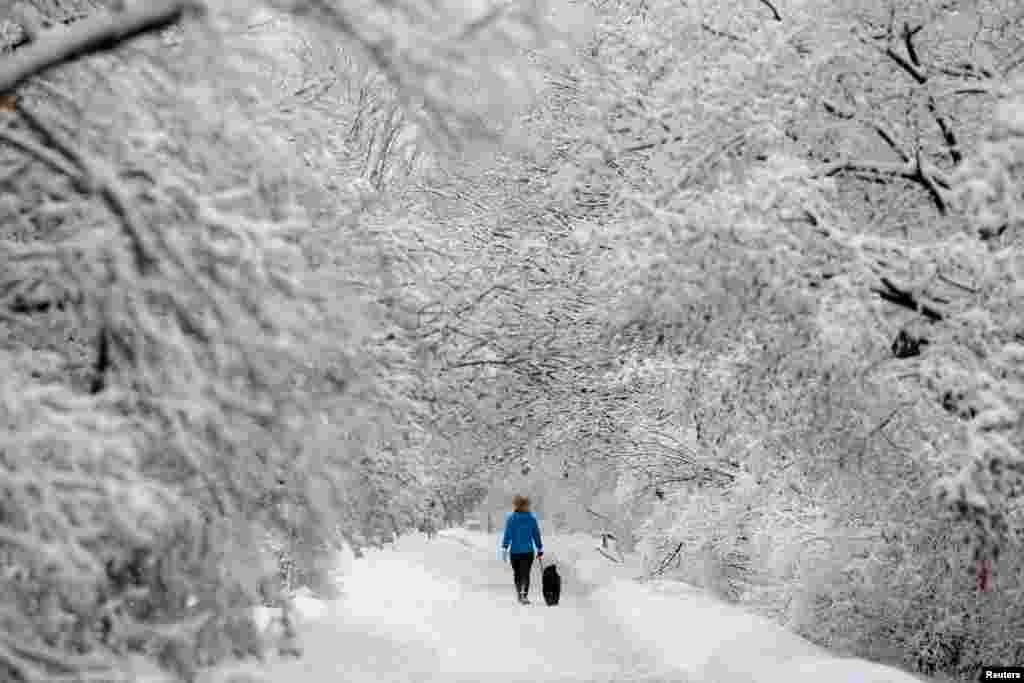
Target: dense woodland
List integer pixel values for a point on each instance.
(738, 281)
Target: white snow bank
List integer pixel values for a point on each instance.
(264, 617)
(472, 539)
(849, 670)
(344, 560)
(714, 641)
(700, 635)
(307, 607)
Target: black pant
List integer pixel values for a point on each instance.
(521, 564)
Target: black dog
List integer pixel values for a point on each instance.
(551, 585)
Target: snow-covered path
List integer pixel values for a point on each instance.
(445, 610)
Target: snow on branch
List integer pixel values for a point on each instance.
(931, 179)
(96, 34)
(902, 297)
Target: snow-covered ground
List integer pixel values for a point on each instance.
(445, 610)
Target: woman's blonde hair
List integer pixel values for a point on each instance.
(520, 503)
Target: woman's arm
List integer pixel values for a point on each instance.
(536, 536)
(505, 540)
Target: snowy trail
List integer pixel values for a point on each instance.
(445, 611)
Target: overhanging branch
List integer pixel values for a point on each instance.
(89, 36)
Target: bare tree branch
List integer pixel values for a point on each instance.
(508, 363)
(41, 153)
(908, 41)
(720, 33)
(948, 136)
(667, 560)
(879, 167)
(929, 184)
(967, 90)
(932, 180)
(102, 363)
(644, 146)
(775, 12)
(834, 109)
(914, 72)
(958, 285)
(903, 297)
(913, 67)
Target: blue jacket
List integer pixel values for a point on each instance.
(522, 533)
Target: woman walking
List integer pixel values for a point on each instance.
(522, 535)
